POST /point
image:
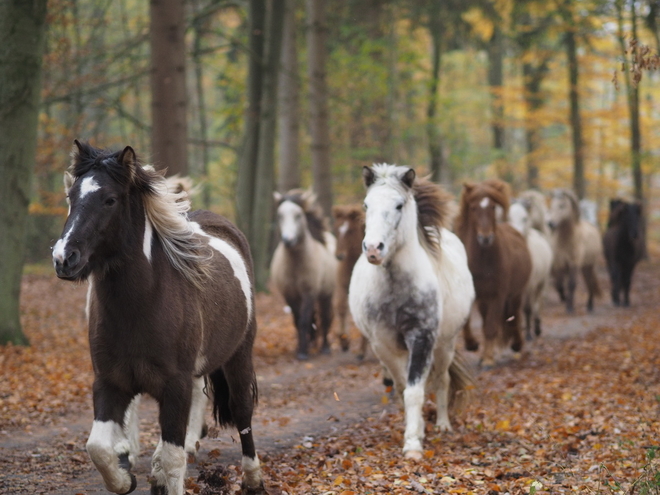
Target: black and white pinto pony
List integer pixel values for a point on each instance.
(303, 268)
(624, 246)
(170, 308)
(411, 292)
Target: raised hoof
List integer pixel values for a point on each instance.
(415, 455)
(344, 342)
(302, 356)
(472, 345)
(260, 490)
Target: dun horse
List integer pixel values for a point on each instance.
(411, 292)
(535, 204)
(623, 243)
(349, 231)
(541, 254)
(576, 245)
(303, 267)
(170, 307)
(500, 264)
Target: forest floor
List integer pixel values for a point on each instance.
(578, 412)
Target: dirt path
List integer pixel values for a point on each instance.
(298, 402)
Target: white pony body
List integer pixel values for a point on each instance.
(410, 299)
(541, 254)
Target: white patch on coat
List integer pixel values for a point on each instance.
(90, 288)
(251, 471)
(106, 442)
(87, 186)
(59, 249)
(168, 467)
(343, 228)
(196, 417)
(484, 202)
(146, 241)
(235, 260)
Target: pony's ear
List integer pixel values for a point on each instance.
(368, 176)
(76, 151)
(68, 183)
(467, 187)
(409, 177)
(277, 197)
(336, 211)
(128, 159)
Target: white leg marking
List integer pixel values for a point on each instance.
(146, 241)
(413, 399)
(105, 444)
(251, 471)
(132, 429)
(235, 260)
(168, 467)
(196, 418)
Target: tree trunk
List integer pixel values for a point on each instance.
(169, 133)
(289, 115)
(262, 212)
(495, 82)
(436, 165)
(22, 33)
(318, 102)
(533, 77)
(199, 27)
(247, 167)
(579, 184)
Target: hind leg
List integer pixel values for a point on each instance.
(196, 425)
(471, 343)
(626, 280)
(570, 293)
(529, 316)
(108, 446)
(325, 314)
(341, 308)
(440, 382)
(591, 282)
(364, 344)
(304, 323)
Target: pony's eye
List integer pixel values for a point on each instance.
(110, 201)
(364, 206)
(399, 207)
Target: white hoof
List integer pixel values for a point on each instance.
(415, 455)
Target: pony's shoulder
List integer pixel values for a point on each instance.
(220, 227)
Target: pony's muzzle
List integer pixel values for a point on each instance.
(485, 240)
(340, 256)
(374, 253)
(66, 266)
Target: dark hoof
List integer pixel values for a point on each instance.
(388, 382)
(626, 304)
(158, 490)
(590, 308)
(472, 346)
(133, 483)
(302, 356)
(360, 357)
(344, 342)
(326, 350)
(260, 490)
(516, 346)
(529, 337)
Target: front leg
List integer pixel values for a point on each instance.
(570, 293)
(325, 315)
(492, 325)
(304, 326)
(196, 424)
(168, 465)
(108, 446)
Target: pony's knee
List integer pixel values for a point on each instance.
(107, 447)
(168, 468)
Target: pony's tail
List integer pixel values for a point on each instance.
(461, 382)
(220, 389)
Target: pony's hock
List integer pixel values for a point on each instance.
(412, 304)
(170, 305)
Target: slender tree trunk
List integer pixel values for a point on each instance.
(579, 184)
(289, 115)
(168, 86)
(533, 76)
(262, 213)
(247, 168)
(318, 102)
(22, 33)
(436, 165)
(495, 82)
(198, 27)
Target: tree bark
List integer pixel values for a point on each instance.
(262, 212)
(199, 28)
(247, 167)
(579, 184)
(289, 115)
(169, 133)
(436, 165)
(533, 77)
(495, 82)
(22, 33)
(318, 102)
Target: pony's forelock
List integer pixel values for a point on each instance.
(316, 222)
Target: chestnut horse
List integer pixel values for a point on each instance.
(500, 263)
(349, 231)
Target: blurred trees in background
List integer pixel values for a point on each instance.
(465, 89)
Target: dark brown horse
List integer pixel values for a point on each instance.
(170, 305)
(349, 231)
(500, 263)
(623, 243)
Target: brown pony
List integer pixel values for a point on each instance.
(349, 231)
(500, 263)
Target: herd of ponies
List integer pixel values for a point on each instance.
(171, 307)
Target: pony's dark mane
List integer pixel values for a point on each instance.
(495, 189)
(316, 222)
(164, 207)
(354, 212)
(434, 209)
(618, 209)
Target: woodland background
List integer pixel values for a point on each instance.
(279, 94)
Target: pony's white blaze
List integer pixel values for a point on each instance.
(343, 228)
(291, 221)
(87, 186)
(106, 442)
(235, 260)
(484, 202)
(146, 241)
(59, 249)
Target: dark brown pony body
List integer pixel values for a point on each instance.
(623, 243)
(500, 264)
(164, 307)
(349, 232)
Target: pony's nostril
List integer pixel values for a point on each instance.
(364, 246)
(72, 259)
(381, 246)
